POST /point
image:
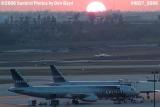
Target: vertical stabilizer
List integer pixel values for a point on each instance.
(57, 76)
(18, 80)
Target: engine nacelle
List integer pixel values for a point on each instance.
(90, 98)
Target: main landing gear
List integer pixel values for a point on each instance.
(54, 102)
(75, 101)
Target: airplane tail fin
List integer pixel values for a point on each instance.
(18, 80)
(57, 76)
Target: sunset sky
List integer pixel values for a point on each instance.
(80, 5)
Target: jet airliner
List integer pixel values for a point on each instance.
(58, 79)
(88, 93)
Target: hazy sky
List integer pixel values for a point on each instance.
(80, 5)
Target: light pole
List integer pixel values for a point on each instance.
(154, 73)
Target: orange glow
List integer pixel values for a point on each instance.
(81, 5)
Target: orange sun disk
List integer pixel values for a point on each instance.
(96, 7)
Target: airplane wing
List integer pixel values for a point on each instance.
(157, 90)
(149, 91)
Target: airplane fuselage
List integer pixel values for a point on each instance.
(91, 83)
(77, 91)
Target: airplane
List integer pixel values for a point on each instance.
(88, 93)
(58, 79)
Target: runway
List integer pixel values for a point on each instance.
(85, 67)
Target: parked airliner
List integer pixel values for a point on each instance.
(88, 93)
(58, 79)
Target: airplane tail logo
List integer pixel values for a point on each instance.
(18, 80)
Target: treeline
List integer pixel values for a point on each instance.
(42, 30)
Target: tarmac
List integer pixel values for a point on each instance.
(22, 101)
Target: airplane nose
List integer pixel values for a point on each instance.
(10, 89)
(134, 92)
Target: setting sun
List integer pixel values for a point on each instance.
(96, 6)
